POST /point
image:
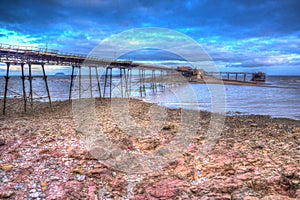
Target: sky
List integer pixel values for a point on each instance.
(238, 35)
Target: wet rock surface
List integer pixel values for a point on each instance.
(43, 157)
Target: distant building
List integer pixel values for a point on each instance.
(191, 74)
(258, 76)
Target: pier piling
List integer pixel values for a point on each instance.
(23, 87)
(46, 85)
(6, 85)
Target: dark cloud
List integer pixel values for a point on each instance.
(233, 18)
(78, 25)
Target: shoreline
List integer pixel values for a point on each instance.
(253, 157)
(20, 108)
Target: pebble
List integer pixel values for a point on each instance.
(19, 186)
(2, 142)
(32, 191)
(5, 180)
(34, 195)
(104, 194)
(80, 177)
(6, 194)
(54, 178)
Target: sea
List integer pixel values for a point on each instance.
(279, 99)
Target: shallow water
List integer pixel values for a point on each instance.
(283, 101)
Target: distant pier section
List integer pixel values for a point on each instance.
(234, 78)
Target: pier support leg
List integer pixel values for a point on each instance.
(79, 82)
(24, 87)
(130, 77)
(46, 85)
(152, 81)
(144, 87)
(105, 82)
(30, 86)
(108, 72)
(91, 82)
(110, 83)
(155, 84)
(126, 81)
(121, 79)
(98, 82)
(71, 84)
(142, 82)
(6, 85)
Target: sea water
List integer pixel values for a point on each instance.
(280, 100)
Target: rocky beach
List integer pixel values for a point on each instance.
(42, 156)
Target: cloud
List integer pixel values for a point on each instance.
(232, 18)
(235, 32)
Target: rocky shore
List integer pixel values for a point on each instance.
(42, 156)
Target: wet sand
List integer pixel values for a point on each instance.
(42, 156)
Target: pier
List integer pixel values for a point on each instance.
(154, 78)
(29, 56)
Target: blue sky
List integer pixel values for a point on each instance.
(239, 35)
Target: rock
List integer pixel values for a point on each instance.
(32, 191)
(80, 177)
(80, 162)
(55, 191)
(6, 194)
(250, 198)
(98, 171)
(35, 195)
(148, 144)
(2, 142)
(168, 127)
(6, 167)
(298, 192)
(71, 152)
(275, 197)
(5, 180)
(244, 177)
(226, 196)
(5, 127)
(182, 170)
(79, 171)
(253, 125)
(19, 186)
(104, 194)
(44, 184)
(165, 189)
(54, 178)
